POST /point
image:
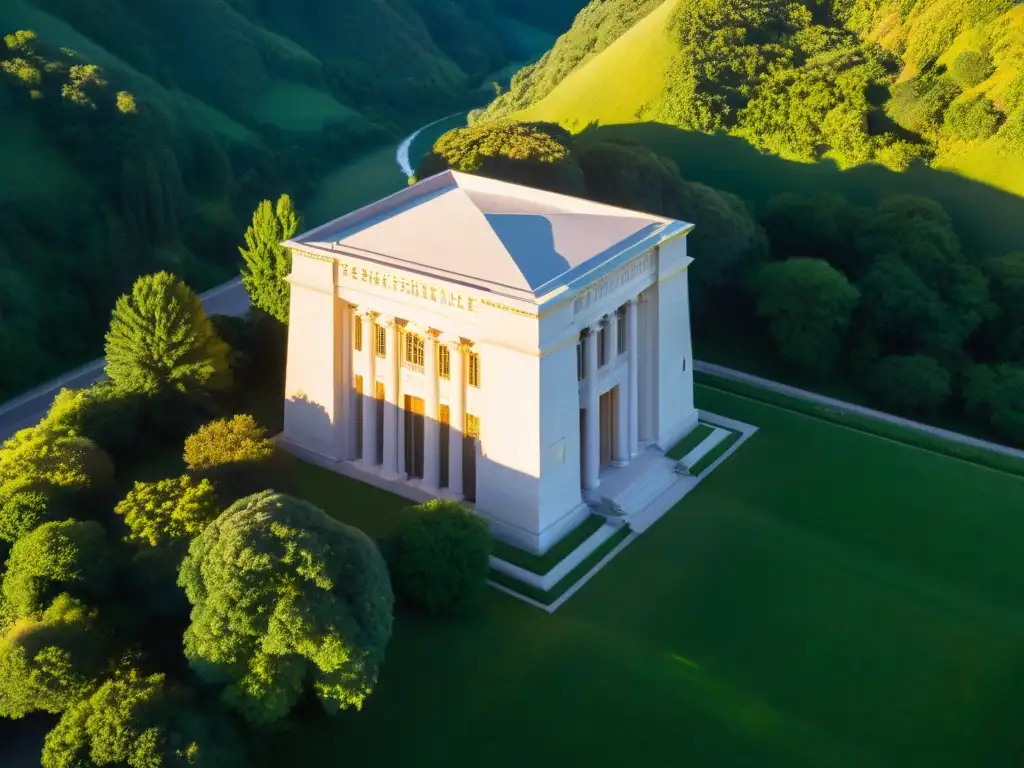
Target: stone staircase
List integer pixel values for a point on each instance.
(657, 477)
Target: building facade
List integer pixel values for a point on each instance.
(490, 342)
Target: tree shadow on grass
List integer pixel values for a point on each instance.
(988, 220)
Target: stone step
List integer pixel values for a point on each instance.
(644, 490)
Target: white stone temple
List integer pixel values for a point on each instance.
(485, 341)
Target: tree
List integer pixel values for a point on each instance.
(996, 393)
(52, 662)
(110, 417)
(68, 556)
(168, 511)
(909, 382)
(1006, 278)
(47, 455)
(136, 720)
(973, 119)
(267, 262)
(160, 340)
(237, 455)
(971, 68)
(440, 557)
(26, 504)
(822, 227)
(809, 306)
(540, 155)
(284, 596)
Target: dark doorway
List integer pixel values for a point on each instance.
(379, 395)
(414, 436)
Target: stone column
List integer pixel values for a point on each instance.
(432, 414)
(389, 468)
(369, 391)
(592, 435)
(456, 415)
(632, 387)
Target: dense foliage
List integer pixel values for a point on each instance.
(440, 557)
(168, 511)
(284, 598)
(237, 455)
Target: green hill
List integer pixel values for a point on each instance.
(137, 136)
(853, 81)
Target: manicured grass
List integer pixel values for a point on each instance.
(715, 453)
(541, 564)
(884, 429)
(824, 598)
(691, 441)
(570, 579)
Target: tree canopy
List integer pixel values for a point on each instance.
(808, 305)
(168, 511)
(284, 597)
(267, 262)
(160, 339)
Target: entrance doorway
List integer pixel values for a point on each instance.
(607, 407)
(378, 393)
(414, 412)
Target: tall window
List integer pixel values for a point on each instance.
(620, 320)
(579, 361)
(474, 369)
(413, 349)
(444, 362)
(357, 333)
(601, 337)
(381, 335)
(472, 426)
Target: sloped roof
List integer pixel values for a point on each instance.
(501, 237)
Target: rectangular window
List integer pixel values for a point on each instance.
(474, 369)
(579, 361)
(620, 319)
(472, 426)
(357, 333)
(444, 362)
(413, 349)
(381, 334)
(601, 338)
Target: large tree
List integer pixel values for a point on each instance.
(809, 306)
(69, 556)
(136, 720)
(284, 597)
(996, 393)
(909, 382)
(267, 263)
(1006, 276)
(51, 662)
(540, 155)
(168, 512)
(161, 340)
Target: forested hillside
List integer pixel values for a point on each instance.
(855, 81)
(137, 136)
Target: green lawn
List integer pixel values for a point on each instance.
(824, 598)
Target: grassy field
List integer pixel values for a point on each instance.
(824, 598)
(612, 87)
(299, 107)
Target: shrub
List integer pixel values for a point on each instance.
(109, 416)
(974, 119)
(996, 393)
(26, 504)
(46, 455)
(918, 105)
(971, 68)
(168, 511)
(439, 557)
(236, 454)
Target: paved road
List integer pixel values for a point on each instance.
(840, 405)
(29, 408)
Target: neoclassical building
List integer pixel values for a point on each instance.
(486, 341)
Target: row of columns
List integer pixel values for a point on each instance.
(391, 466)
(627, 414)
